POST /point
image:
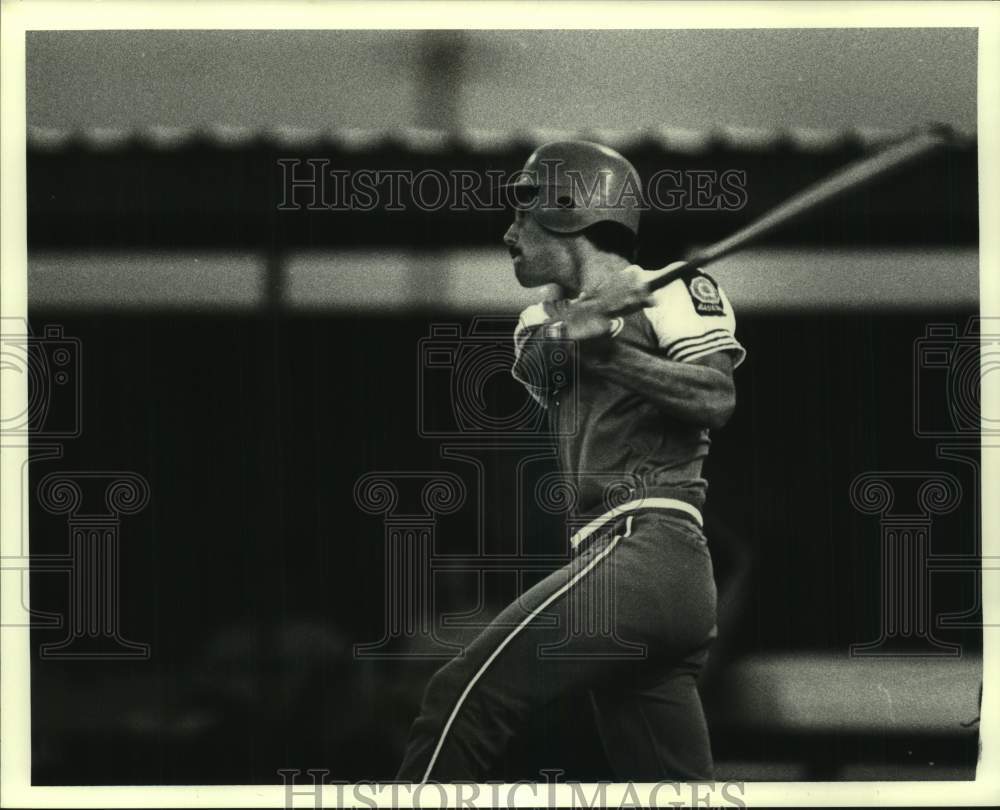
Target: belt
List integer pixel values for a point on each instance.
(669, 504)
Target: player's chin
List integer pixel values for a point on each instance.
(520, 274)
(524, 275)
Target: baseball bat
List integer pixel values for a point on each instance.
(847, 179)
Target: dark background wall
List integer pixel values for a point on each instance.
(252, 572)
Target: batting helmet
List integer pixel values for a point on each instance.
(571, 185)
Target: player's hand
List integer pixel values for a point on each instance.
(592, 315)
(624, 292)
(586, 323)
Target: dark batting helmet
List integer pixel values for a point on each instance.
(571, 185)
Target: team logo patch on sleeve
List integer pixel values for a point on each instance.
(705, 296)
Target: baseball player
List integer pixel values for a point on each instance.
(653, 375)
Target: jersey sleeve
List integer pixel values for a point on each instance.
(692, 318)
(531, 318)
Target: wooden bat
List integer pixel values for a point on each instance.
(841, 182)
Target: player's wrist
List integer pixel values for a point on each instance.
(555, 330)
(581, 322)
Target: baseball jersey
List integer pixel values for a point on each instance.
(613, 444)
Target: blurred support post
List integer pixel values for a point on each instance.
(442, 57)
(275, 281)
(441, 61)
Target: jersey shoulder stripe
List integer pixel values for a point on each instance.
(684, 343)
(720, 345)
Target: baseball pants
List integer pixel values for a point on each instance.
(630, 619)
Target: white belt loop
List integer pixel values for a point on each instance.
(631, 506)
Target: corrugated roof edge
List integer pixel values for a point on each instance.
(422, 141)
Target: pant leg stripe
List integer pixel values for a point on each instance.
(500, 647)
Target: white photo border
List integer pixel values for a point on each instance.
(20, 16)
